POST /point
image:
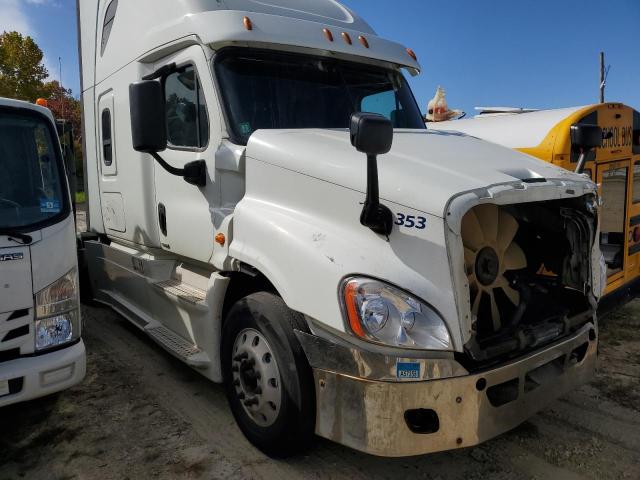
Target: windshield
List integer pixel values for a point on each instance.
(31, 175)
(271, 90)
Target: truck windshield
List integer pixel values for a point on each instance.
(272, 90)
(31, 175)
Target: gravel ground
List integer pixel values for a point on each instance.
(142, 414)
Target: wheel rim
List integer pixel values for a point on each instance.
(256, 377)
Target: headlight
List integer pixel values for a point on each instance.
(383, 314)
(57, 312)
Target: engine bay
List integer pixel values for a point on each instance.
(529, 275)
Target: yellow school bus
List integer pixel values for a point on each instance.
(615, 167)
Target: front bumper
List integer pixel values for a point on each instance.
(35, 377)
(371, 415)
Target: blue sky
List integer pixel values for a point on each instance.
(532, 53)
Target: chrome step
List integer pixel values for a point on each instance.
(183, 291)
(179, 347)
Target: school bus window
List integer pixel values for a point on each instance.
(636, 182)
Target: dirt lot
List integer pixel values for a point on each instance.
(141, 414)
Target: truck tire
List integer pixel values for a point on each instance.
(268, 380)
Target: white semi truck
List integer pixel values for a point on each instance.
(348, 274)
(41, 349)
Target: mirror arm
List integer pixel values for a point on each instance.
(194, 173)
(172, 170)
(374, 215)
(582, 160)
(164, 71)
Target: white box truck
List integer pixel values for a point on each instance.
(348, 274)
(41, 349)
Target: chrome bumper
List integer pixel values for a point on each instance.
(371, 415)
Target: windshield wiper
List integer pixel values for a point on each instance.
(16, 236)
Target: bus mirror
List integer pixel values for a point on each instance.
(586, 137)
(148, 129)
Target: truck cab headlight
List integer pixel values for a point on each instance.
(380, 313)
(57, 312)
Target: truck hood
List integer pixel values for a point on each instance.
(423, 171)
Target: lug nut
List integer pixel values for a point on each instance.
(251, 401)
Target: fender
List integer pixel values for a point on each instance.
(306, 247)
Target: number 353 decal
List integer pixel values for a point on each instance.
(411, 221)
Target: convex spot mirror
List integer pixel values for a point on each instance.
(371, 133)
(147, 105)
(586, 137)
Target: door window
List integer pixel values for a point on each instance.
(614, 211)
(107, 142)
(186, 110)
(636, 182)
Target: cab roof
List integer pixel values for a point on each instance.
(12, 103)
(147, 30)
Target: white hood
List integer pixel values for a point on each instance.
(424, 170)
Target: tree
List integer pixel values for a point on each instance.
(63, 105)
(21, 70)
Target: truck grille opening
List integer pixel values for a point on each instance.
(529, 272)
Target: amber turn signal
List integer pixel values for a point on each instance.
(351, 303)
(221, 239)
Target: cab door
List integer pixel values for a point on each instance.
(613, 182)
(185, 212)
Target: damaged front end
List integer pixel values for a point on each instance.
(528, 275)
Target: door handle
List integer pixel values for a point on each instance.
(162, 218)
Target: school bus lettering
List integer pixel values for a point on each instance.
(617, 137)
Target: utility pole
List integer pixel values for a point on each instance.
(603, 80)
(60, 80)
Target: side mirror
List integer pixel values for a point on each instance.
(585, 137)
(148, 129)
(373, 135)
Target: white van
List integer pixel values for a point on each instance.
(41, 350)
(240, 216)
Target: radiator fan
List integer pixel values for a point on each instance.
(489, 251)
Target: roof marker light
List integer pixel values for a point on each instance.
(364, 41)
(42, 102)
(221, 239)
(347, 38)
(412, 54)
(328, 34)
(248, 24)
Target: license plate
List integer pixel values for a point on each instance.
(4, 387)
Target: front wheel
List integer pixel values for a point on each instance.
(268, 381)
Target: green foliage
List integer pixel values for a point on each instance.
(22, 73)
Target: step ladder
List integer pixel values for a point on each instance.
(178, 346)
